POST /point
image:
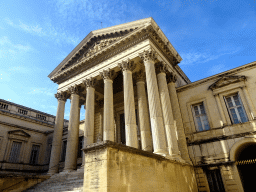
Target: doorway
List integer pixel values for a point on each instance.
(246, 165)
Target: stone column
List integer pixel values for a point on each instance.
(173, 149)
(156, 116)
(108, 127)
(57, 135)
(129, 107)
(73, 131)
(89, 114)
(171, 79)
(145, 130)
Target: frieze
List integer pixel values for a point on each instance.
(140, 35)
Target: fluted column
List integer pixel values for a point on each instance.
(156, 116)
(57, 135)
(108, 126)
(129, 107)
(73, 131)
(167, 112)
(89, 114)
(171, 79)
(145, 130)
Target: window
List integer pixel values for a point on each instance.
(215, 180)
(34, 154)
(201, 120)
(236, 109)
(15, 152)
(80, 146)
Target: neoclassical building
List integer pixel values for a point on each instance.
(146, 126)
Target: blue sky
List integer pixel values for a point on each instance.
(35, 36)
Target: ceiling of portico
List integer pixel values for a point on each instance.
(102, 44)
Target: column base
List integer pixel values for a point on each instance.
(161, 152)
(176, 158)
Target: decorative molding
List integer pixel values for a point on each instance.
(226, 73)
(149, 55)
(108, 74)
(140, 76)
(161, 67)
(62, 96)
(90, 82)
(171, 77)
(75, 90)
(25, 128)
(37, 121)
(226, 80)
(127, 65)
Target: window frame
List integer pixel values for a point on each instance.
(38, 153)
(200, 117)
(235, 108)
(19, 157)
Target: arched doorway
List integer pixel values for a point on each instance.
(246, 165)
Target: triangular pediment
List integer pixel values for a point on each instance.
(19, 133)
(101, 44)
(226, 80)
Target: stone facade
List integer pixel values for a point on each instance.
(147, 127)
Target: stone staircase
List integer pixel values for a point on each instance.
(71, 181)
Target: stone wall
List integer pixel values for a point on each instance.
(114, 167)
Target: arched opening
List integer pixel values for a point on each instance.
(246, 165)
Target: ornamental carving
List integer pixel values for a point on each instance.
(127, 65)
(171, 77)
(91, 82)
(108, 74)
(140, 76)
(75, 89)
(149, 55)
(227, 80)
(161, 67)
(62, 96)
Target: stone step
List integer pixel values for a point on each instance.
(72, 181)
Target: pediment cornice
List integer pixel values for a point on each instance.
(19, 133)
(227, 80)
(105, 45)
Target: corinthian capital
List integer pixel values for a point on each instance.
(161, 67)
(127, 65)
(74, 89)
(62, 96)
(108, 74)
(149, 55)
(139, 76)
(171, 77)
(91, 82)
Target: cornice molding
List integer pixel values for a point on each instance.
(26, 118)
(226, 80)
(25, 128)
(226, 73)
(120, 45)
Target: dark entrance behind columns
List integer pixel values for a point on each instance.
(246, 165)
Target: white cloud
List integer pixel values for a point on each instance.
(192, 58)
(10, 49)
(47, 30)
